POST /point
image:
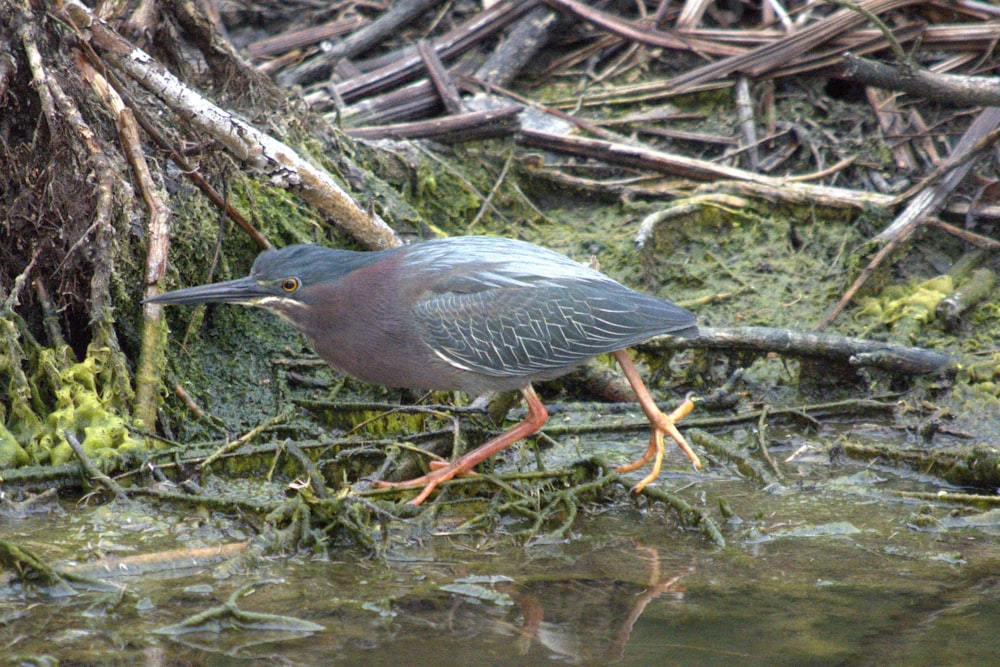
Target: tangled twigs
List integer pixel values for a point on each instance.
(931, 197)
(261, 152)
(549, 500)
(689, 515)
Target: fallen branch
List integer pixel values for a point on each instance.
(448, 46)
(942, 88)
(93, 471)
(854, 351)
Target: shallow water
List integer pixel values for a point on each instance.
(826, 569)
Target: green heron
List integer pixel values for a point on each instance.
(469, 313)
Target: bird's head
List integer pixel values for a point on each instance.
(280, 280)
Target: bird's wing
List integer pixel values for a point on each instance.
(526, 329)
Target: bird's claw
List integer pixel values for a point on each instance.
(662, 424)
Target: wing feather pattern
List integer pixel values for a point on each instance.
(538, 328)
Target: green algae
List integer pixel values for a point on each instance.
(88, 398)
(85, 406)
(906, 309)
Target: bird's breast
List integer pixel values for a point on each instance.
(363, 325)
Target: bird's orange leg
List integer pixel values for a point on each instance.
(662, 424)
(536, 418)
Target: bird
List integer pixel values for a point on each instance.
(468, 313)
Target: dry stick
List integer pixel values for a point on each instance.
(872, 18)
(764, 58)
(39, 76)
(981, 133)
(942, 36)
(412, 101)
(294, 39)
(690, 15)
(438, 75)
(805, 62)
(832, 53)
(582, 123)
(261, 152)
(524, 40)
(977, 240)
(189, 170)
(450, 129)
(643, 158)
(750, 63)
(193, 174)
(243, 439)
(744, 109)
(883, 104)
(223, 60)
(642, 34)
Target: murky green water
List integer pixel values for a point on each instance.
(828, 570)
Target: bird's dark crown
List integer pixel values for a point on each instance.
(309, 264)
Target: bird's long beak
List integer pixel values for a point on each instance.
(245, 291)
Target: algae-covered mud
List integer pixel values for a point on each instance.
(836, 564)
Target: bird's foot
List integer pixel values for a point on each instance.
(441, 471)
(662, 425)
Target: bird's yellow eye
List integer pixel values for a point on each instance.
(290, 284)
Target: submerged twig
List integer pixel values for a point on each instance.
(229, 615)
